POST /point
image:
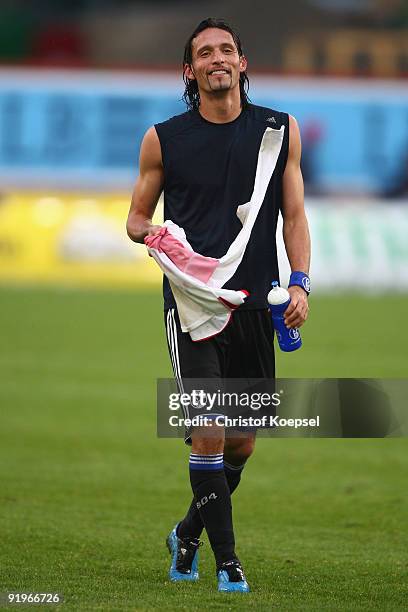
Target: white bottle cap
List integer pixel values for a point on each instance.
(278, 295)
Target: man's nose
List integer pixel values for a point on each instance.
(218, 57)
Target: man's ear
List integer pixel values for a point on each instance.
(188, 71)
(243, 64)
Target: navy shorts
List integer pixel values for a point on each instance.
(243, 350)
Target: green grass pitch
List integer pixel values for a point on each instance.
(88, 493)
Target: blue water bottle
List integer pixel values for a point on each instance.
(279, 300)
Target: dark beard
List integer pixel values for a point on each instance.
(221, 85)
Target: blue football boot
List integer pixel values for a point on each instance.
(184, 557)
(231, 577)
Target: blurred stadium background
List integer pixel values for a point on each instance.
(84, 502)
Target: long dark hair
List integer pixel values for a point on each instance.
(191, 94)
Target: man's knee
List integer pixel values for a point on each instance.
(208, 440)
(238, 450)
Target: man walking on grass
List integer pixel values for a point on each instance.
(205, 160)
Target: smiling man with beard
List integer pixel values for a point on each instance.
(205, 160)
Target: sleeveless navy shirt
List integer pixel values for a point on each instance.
(209, 170)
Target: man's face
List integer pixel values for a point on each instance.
(216, 64)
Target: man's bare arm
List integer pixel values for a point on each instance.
(147, 190)
(295, 227)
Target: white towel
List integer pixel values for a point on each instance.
(204, 307)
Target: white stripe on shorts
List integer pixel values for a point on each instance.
(173, 345)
